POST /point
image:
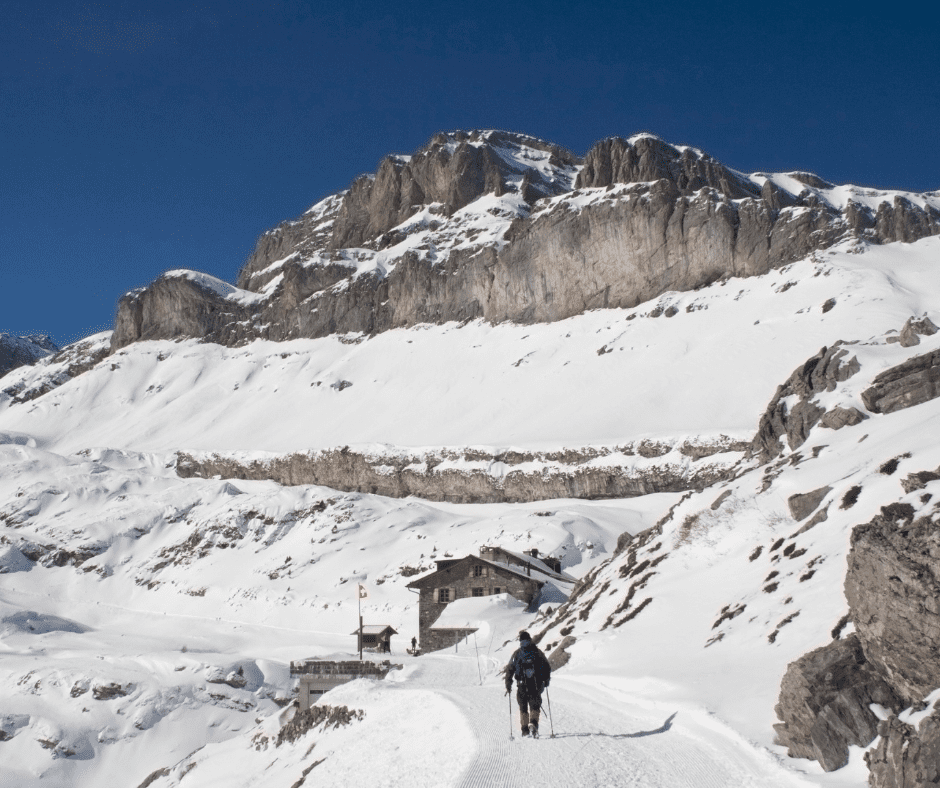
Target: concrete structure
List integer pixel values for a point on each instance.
(494, 571)
(317, 677)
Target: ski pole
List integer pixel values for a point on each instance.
(550, 720)
(509, 698)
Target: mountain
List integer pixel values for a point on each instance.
(732, 449)
(503, 227)
(17, 351)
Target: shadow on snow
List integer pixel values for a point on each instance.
(661, 729)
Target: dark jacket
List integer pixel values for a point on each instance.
(528, 654)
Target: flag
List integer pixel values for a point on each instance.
(362, 591)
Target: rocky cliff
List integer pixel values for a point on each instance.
(503, 226)
(19, 351)
(479, 476)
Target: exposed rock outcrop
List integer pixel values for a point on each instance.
(803, 505)
(18, 351)
(906, 756)
(892, 659)
(30, 382)
(822, 372)
(913, 330)
(893, 589)
(915, 381)
(471, 476)
(824, 703)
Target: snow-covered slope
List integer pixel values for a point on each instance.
(147, 621)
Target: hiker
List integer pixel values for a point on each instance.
(414, 645)
(532, 673)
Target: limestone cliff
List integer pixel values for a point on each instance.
(503, 226)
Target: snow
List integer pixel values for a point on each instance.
(450, 385)
(838, 196)
(117, 573)
(217, 286)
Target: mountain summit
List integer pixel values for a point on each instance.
(501, 226)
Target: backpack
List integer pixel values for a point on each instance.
(527, 668)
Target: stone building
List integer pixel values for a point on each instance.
(494, 571)
(316, 677)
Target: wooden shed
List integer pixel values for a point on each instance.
(377, 637)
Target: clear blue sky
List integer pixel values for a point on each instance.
(140, 137)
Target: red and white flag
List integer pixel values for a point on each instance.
(362, 591)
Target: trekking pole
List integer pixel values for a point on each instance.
(550, 720)
(479, 669)
(509, 698)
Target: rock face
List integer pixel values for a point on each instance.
(906, 757)
(468, 477)
(892, 659)
(893, 588)
(823, 372)
(19, 351)
(824, 703)
(551, 238)
(915, 381)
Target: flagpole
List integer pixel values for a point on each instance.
(359, 596)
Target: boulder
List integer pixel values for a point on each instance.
(560, 656)
(840, 417)
(910, 383)
(913, 329)
(804, 504)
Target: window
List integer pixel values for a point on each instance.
(477, 572)
(478, 592)
(368, 640)
(443, 595)
(497, 590)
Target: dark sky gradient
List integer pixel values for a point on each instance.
(141, 137)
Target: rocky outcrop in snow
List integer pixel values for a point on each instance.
(503, 226)
(825, 700)
(19, 351)
(892, 586)
(31, 381)
(794, 420)
(914, 381)
(478, 476)
(906, 756)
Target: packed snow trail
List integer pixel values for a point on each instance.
(600, 739)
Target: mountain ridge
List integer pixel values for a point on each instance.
(490, 227)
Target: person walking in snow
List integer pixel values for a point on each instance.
(532, 673)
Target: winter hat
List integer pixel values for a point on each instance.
(524, 636)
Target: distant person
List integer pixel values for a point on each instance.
(532, 673)
(414, 645)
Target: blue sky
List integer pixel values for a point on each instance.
(138, 138)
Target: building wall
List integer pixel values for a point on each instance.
(315, 678)
(460, 582)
